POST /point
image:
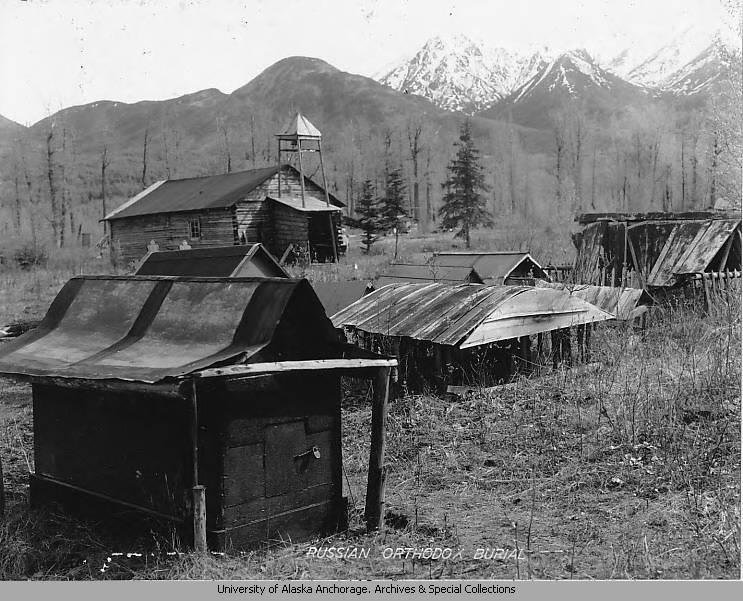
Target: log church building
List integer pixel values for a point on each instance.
(278, 206)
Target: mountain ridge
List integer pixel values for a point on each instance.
(572, 77)
(459, 73)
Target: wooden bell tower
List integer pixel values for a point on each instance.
(301, 136)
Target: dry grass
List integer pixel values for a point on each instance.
(26, 293)
(631, 471)
(546, 245)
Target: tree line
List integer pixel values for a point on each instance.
(651, 157)
(463, 204)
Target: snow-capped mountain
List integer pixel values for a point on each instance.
(571, 76)
(714, 65)
(458, 73)
(671, 61)
(571, 73)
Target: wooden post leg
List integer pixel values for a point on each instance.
(199, 519)
(567, 347)
(375, 484)
(332, 237)
(555, 348)
(524, 353)
(540, 349)
(199, 494)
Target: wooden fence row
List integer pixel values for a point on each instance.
(716, 287)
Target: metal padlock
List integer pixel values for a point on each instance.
(314, 451)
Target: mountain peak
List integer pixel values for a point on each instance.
(655, 66)
(572, 76)
(301, 63)
(705, 71)
(458, 72)
(579, 54)
(454, 40)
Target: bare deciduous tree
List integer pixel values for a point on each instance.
(104, 165)
(144, 155)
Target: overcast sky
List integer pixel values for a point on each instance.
(59, 53)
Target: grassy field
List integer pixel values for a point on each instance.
(629, 470)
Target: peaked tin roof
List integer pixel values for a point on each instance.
(216, 261)
(493, 266)
(299, 127)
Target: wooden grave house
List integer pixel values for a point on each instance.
(510, 267)
(657, 251)
(217, 261)
(204, 402)
(468, 334)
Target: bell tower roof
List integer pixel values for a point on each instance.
(299, 127)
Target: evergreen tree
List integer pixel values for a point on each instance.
(367, 208)
(464, 201)
(393, 207)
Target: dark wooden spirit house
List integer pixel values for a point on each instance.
(180, 398)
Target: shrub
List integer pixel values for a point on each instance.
(28, 256)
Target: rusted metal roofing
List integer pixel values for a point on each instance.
(466, 315)
(218, 261)
(407, 272)
(310, 205)
(493, 266)
(151, 328)
(200, 193)
(623, 303)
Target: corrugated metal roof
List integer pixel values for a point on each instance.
(218, 261)
(465, 315)
(493, 266)
(408, 272)
(311, 205)
(151, 328)
(201, 193)
(623, 303)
